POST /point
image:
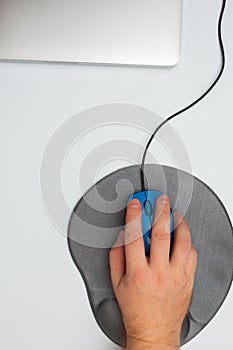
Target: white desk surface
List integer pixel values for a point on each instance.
(43, 302)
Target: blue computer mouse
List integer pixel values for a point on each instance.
(148, 201)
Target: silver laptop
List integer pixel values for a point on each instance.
(131, 32)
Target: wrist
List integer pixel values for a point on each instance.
(143, 345)
(149, 347)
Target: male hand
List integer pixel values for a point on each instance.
(154, 294)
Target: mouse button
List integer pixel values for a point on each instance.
(139, 196)
(148, 208)
(153, 196)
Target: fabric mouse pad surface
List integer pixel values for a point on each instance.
(99, 216)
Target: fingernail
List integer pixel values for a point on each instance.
(178, 217)
(163, 199)
(134, 204)
(177, 214)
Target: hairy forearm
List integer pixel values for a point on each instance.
(150, 347)
(138, 345)
(154, 347)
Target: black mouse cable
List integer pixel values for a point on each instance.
(193, 103)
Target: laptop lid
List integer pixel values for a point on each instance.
(132, 32)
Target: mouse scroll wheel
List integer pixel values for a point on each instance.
(148, 208)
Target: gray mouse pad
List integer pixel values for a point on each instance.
(99, 216)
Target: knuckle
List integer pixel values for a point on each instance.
(179, 281)
(162, 225)
(193, 258)
(194, 253)
(132, 235)
(161, 281)
(186, 246)
(160, 235)
(189, 285)
(138, 279)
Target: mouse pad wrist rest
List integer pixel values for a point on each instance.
(94, 226)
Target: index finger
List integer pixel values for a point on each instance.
(160, 236)
(134, 244)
